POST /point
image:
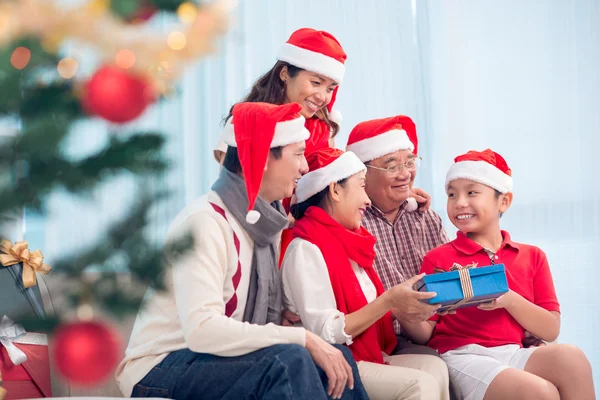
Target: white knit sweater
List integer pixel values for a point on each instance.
(191, 312)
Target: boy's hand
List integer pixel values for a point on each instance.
(503, 301)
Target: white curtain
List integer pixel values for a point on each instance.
(523, 77)
(519, 77)
(382, 75)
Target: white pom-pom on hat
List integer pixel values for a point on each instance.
(336, 116)
(252, 217)
(411, 204)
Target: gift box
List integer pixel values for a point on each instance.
(20, 297)
(24, 360)
(17, 302)
(31, 378)
(464, 287)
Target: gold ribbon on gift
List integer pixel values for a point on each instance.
(32, 261)
(465, 283)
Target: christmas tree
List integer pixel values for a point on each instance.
(42, 93)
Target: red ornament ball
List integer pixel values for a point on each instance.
(116, 95)
(86, 353)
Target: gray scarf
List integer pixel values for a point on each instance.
(265, 293)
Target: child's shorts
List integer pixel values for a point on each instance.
(473, 367)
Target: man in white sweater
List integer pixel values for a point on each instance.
(215, 331)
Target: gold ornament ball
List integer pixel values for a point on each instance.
(176, 40)
(187, 12)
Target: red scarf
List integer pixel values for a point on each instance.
(338, 246)
(319, 138)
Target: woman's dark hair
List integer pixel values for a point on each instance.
(316, 200)
(269, 88)
(232, 159)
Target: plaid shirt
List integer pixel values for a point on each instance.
(401, 246)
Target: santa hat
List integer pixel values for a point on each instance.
(320, 52)
(325, 166)
(254, 129)
(486, 167)
(375, 138)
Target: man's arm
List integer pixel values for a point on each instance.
(198, 279)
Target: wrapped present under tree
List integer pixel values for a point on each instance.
(24, 359)
(44, 91)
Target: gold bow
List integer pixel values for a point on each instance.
(465, 283)
(32, 262)
(454, 267)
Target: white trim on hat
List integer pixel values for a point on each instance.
(286, 132)
(313, 182)
(480, 172)
(380, 145)
(228, 135)
(312, 61)
(335, 115)
(221, 146)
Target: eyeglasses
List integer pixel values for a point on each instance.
(410, 165)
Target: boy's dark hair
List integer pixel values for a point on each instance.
(497, 194)
(299, 209)
(269, 88)
(232, 159)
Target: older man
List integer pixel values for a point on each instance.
(404, 233)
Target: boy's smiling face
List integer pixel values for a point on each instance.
(475, 208)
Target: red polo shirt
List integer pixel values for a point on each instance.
(527, 273)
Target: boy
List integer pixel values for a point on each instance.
(482, 345)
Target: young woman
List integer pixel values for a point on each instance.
(330, 282)
(309, 69)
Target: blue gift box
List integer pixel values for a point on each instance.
(488, 283)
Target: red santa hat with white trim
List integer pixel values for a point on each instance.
(254, 129)
(376, 138)
(486, 167)
(320, 52)
(325, 166)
